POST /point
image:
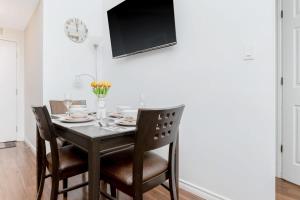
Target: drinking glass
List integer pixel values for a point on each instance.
(142, 101)
(68, 103)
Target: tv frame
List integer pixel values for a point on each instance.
(147, 49)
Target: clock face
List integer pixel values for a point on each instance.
(76, 30)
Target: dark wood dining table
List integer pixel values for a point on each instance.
(97, 142)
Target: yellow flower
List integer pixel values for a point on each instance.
(94, 84)
(100, 84)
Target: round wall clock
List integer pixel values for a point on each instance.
(76, 30)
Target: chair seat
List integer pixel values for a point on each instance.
(119, 166)
(72, 161)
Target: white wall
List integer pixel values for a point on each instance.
(18, 37)
(53, 60)
(63, 59)
(227, 142)
(33, 70)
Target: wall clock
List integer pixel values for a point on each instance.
(76, 30)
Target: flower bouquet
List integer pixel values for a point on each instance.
(100, 89)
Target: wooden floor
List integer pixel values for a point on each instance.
(17, 181)
(287, 191)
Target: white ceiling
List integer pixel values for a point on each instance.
(16, 13)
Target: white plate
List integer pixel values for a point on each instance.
(126, 123)
(76, 120)
(115, 115)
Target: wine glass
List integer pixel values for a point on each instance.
(68, 103)
(142, 101)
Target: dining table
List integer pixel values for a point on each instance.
(97, 141)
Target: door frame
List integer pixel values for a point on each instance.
(279, 88)
(19, 96)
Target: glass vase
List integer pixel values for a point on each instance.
(101, 109)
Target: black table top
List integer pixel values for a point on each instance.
(94, 131)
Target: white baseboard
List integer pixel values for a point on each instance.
(30, 145)
(201, 192)
(20, 137)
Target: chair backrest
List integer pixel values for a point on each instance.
(157, 127)
(46, 132)
(58, 107)
(44, 123)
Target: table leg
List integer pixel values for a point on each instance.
(177, 166)
(94, 172)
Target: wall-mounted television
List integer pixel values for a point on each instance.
(141, 25)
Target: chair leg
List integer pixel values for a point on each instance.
(54, 188)
(84, 179)
(138, 196)
(103, 188)
(173, 187)
(113, 191)
(65, 185)
(41, 184)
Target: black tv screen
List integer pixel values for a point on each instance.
(141, 25)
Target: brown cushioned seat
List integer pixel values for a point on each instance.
(71, 161)
(119, 167)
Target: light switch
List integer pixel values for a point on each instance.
(248, 53)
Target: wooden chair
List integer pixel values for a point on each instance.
(62, 163)
(138, 170)
(58, 107)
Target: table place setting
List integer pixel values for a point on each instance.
(124, 119)
(62, 122)
(110, 122)
(71, 119)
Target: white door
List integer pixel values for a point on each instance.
(8, 85)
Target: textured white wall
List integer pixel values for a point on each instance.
(33, 70)
(52, 60)
(63, 59)
(228, 130)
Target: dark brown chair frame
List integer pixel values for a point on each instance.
(47, 133)
(58, 107)
(156, 128)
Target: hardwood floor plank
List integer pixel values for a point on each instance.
(18, 179)
(286, 190)
(17, 172)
